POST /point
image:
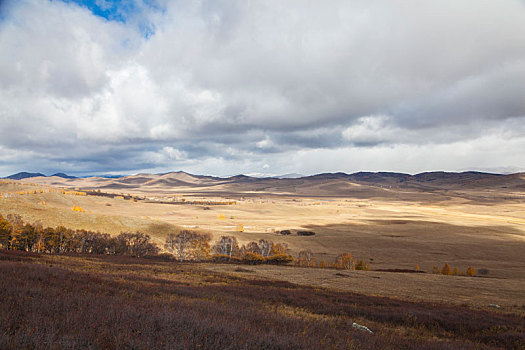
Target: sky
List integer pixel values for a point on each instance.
(262, 86)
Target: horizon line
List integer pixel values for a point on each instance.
(260, 175)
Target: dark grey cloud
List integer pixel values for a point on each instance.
(226, 87)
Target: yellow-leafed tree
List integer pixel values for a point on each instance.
(344, 261)
(5, 232)
(78, 209)
(446, 270)
(306, 258)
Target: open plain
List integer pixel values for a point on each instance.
(392, 221)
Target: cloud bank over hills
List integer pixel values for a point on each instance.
(262, 87)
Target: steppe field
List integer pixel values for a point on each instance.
(392, 223)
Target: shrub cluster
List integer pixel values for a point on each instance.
(344, 261)
(305, 233)
(448, 271)
(78, 208)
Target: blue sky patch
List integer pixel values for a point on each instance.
(115, 10)
(120, 11)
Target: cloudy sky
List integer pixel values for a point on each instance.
(261, 87)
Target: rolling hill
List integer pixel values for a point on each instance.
(361, 184)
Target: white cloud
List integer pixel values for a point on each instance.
(174, 154)
(372, 129)
(244, 84)
(266, 143)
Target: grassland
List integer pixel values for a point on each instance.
(487, 234)
(392, 228)
(56, 302)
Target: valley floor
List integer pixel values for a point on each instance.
(118, 302)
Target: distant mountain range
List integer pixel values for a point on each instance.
(359, 176)
(357, 185)
(25, 175)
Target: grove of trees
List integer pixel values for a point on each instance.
(17, 235)
(186, 245)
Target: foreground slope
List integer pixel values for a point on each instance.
(120, 302)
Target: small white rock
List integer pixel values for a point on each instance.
(361, 328)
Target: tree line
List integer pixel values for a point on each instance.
(15, 234)
(448, 271)
(186, 245)
(343, 261)
(190, 245)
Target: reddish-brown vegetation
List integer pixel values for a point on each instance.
(105, 301)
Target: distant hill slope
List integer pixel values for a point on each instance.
(26, 175)
(361, 184)
(64, 176)
(23, 175)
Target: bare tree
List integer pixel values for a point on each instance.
(188, 245)
(169, 245)
(306, 258)
(227, 245)
(265, 247)
(251, 247)
(182, 244)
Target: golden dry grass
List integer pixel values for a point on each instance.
(399, 228)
